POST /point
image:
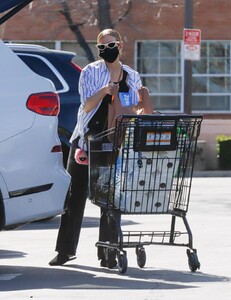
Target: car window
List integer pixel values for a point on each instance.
(41, 68)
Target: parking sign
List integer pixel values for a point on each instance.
(192, 44)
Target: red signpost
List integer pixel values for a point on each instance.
(192, 44)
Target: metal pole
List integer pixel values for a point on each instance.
(188, 23)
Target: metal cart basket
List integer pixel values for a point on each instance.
(144, 166)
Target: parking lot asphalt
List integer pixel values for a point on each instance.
(25, 253)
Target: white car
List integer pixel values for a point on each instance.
(33, 181)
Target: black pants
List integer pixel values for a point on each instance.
(71, 220)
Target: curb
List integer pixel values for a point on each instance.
(212, 173)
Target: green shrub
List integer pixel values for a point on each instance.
(224, 151)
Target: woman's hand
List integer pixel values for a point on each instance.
(112, 88)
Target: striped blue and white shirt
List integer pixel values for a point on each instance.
(93, 77)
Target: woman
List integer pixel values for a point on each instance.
(107, 88)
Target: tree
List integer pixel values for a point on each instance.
(88, 13)
(82, 13)
(76, 29)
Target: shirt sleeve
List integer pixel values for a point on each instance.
(87, 86)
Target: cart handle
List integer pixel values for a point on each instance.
(161, 116)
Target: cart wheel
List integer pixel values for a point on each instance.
(122, 262)
(141, 257)
(193, 261)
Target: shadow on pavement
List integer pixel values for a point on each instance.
(53, 223)
(84, 277)
(6, 254)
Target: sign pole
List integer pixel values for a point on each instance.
(188, 23)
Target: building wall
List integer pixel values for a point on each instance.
(146, 20)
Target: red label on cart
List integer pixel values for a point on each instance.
(157, 138)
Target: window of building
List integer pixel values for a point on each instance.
(161, 65)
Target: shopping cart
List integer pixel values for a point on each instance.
(144, 166)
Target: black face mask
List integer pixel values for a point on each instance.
(109, 55)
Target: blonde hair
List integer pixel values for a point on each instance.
(111, 32)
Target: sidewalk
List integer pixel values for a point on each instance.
(165, 276)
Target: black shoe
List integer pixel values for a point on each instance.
(61, 259)
(108, 263)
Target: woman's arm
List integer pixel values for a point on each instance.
(145, 101)
(94, 100)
